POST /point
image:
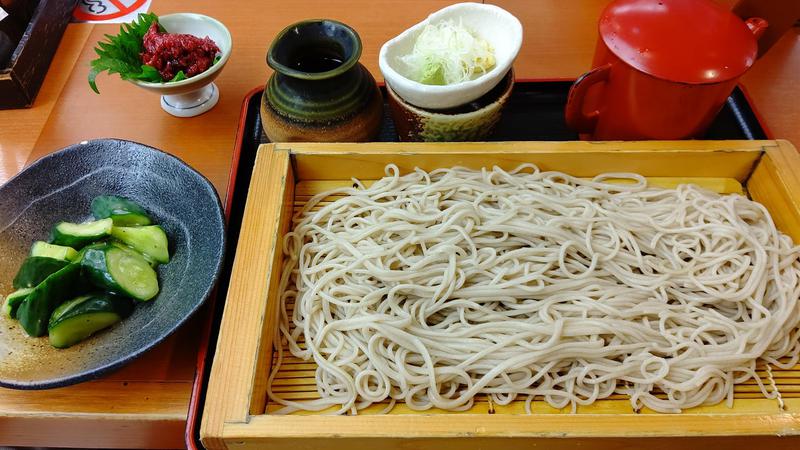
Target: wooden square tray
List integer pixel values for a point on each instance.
(21, 80)
(237, 412)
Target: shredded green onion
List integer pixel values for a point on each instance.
(448, 53)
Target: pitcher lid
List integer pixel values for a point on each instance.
(689, 41)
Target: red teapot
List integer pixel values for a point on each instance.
(662, 69)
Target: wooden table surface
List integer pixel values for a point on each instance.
(145, 404)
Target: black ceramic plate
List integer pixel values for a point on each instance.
(60, 187)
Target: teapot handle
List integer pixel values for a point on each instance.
(576, 119)
(757, 26)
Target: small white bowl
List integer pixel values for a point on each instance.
(196, 95)
(497, 26)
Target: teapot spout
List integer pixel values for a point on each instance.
(757, 25)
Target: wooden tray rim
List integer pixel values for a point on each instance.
(228, 417)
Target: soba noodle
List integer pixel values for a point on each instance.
(433, 287)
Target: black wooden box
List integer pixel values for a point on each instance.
(21, 79)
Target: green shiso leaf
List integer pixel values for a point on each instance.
(120, 53)
(178, 76)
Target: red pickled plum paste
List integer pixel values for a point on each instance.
(169, 53)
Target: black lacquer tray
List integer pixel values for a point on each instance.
(535, 112)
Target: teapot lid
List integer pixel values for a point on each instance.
(689, 41)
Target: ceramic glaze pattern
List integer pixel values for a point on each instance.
(319, 91)
(335, 99)
(461, 124)
(449, 128)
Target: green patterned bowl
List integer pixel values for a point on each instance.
(474, 121)
(319, 91)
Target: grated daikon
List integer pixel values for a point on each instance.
(448, 53)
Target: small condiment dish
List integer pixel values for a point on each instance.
(198, 94)
(497, 26)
